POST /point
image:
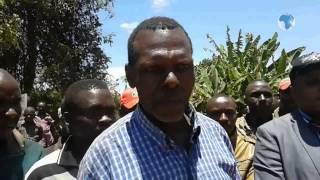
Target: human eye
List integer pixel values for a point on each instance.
(255, 95)
(183, 67)
(153, 69)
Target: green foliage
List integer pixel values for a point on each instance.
(237, 64)
(52, 42)
(51, 97)
(9, 29)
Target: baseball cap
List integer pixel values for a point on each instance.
(284, 84)
(129, 98)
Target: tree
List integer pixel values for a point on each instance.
(235, 65)
(50, 44)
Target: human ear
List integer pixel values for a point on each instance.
(131, 75)
(66, 116)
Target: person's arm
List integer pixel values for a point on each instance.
(267, 160)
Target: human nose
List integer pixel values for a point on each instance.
(103, 122)
(262, 97)
(171, 80)
(223, 117)
(104, 118)
(11, 113)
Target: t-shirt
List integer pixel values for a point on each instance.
(14, 166)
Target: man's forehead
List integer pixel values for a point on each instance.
(258, 86)
(158, 37)
(222, 101)
(94, 93)
(9, 87)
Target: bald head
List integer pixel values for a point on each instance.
(6, 79)
(6, 76)
(259, 98)
(223, 109)
(221, 98)
(10, 96)
(256, 84)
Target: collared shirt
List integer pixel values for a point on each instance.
(305, 116)
(244, 150)
(13, 166)
(58, 165)
(134, 148)
(308, 120)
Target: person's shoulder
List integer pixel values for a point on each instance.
(278, 125)
(33, 146)
(278, 122)
(205, 119)
(119, 128)
(34, 149)
(46, 160)
(207, 122)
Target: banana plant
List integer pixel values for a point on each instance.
(234, 65)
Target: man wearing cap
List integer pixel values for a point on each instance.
(129, 100)
(164, 138)
(289, 147)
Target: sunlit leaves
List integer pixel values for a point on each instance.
(235, 64)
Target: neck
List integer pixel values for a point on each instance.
(180, 131)
(233, 138)
(79, 146)
(255, 120)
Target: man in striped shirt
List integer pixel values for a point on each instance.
(89, 108)
(164, 138)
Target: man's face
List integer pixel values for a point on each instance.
(306, 93)
(10, 108)
(95, 112)
(163, 73)
(224, 111)
(259, 98)
(29, 114)
(41, 107)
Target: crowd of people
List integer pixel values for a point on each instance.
(156, 133)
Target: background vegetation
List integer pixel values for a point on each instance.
(48, 44)
(237, 63)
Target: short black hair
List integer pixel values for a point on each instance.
(302, 70)
(154, 23)
(68, 104)
(219, 96)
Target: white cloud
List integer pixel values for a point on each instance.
(116, 72)
(159, 5)
(129, 26)
(117, 75)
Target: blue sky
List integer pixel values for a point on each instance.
(212, 17)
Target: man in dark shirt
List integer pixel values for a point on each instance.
(89, 108)
(17, 154)
(27, 126)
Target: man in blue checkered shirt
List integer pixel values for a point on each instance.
(164, 138)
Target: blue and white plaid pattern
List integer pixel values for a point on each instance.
(133, 148)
